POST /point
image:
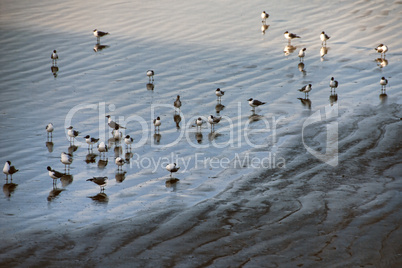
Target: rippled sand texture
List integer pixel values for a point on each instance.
(296, 212)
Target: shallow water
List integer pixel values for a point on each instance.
(249, 194)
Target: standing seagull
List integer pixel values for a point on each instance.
(157, 123)
(264, 16)
(119, 162)
(290, 36)
(324, 37)
(113, 124)
(333, 84)
(101, 181)
(255, 103)
(302, 53)
(66, 159)
(383, 83)
(99, 34)
(306, 89)
(128, 141)
(102, 148)
(54, 174)
(213, 120)
(177, 102)
(90, 141)
(219, 93)
(172, 168)
(150, 74)
(72, 133)
(49, 130)
(382, 49)
(54, 56)
(199, 122)
(8, 169)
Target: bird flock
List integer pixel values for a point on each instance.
(66, 158)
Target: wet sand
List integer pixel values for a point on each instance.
(267, 201)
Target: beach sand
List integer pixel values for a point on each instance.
(299, 182)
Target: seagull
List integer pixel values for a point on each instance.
(66, 159)
(333, 84)
(290, 36)
(219, 93)
(128, 141)
(177, 102)
(54, 174)
(72, 133)
(199, 122)
(49, 129)
(302, 53)
(117, 135)
(8, 169)
(213, 120)
(264, 16)
(382, 49)
(255, 103)
(324, 37)
(54, 56)
(150, 74)
(172, 168)
(99, 34)
(383, 82)
(113, 124)
(157, 123)
(119, 162)
(101, 181)
(102, 148)
(306, 89)
(90, 141)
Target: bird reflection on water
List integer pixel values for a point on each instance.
(177, 120)
(306, 102)
(55, 192)
(120, 176)
(289, 49)
(9, 188)
(99, 47)
(100, 198)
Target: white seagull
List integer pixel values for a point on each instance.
(264, 16)
(128, 141)
(54, 56)
(54, 174)
(119, 162)
(306, 89)
(290, 36)
(99, 34)
(8, 169)
(219, 93)
(383, 82)
(333, 83)
(172, 168)
(72, 133)
(90, 141)
(102, 148)
(101, 181)
(49, 129)
(157, 123)
(199, 122)
(113, 124)
(255, 103)
(382, 49)
(213, 120)
(324, 37)
(150, 74)
(66, 159)
(302, 53)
